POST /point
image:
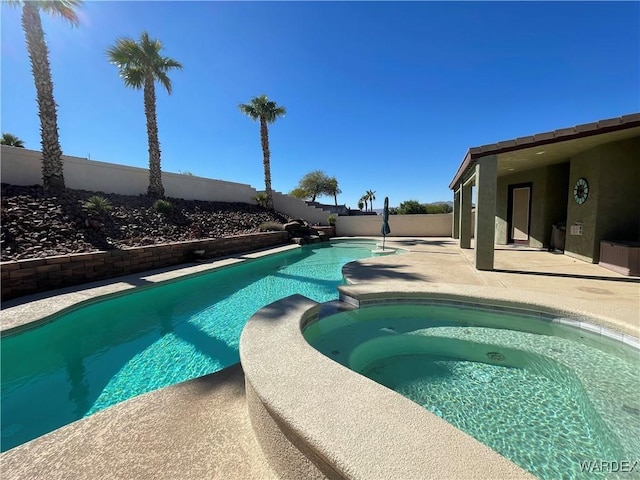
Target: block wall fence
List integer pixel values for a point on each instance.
(20, 166)
(431, 225)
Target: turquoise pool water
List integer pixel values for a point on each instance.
(109, 351)
(546, 396)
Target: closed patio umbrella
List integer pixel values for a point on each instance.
(385, 230)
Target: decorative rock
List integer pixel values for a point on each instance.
(36, 223)
(293, 227)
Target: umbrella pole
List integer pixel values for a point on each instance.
(384, 237)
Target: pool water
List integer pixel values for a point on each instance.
(543, 395)
(103, 353)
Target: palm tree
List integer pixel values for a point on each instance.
(262, 109)
(333, 189)
(365, 199)
(371, 195)
(141, 65)
(52, 171)
(11, 140)
(361, 204)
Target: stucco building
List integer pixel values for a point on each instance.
(528, 190)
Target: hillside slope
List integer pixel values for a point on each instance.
(37, 224)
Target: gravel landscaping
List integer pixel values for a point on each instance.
(38, 223)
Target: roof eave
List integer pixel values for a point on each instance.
(545, 138)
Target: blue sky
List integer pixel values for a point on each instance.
(386, 96)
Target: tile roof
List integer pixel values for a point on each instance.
(559, 135)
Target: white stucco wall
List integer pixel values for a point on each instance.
(436, 225)
(299, 209)
(20, 166)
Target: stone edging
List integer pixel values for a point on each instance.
(316, 419)
(25, 277)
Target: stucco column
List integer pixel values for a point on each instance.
(456, 214)
(465, 215)
(485, 233)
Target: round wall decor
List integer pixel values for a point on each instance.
(581, 191)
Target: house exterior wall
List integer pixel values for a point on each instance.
(537, 229)
(557, 196)
(612, 209)
(584, 165)
(611, 212)
(619, 205)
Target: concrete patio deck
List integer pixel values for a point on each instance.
(200, 429)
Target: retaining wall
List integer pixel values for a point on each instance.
(24, 277)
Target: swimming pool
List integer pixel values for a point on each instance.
(103, 353)
(548, 397)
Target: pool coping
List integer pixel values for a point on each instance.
(546, 308)
(28, 311)
(327, 421)
(31, 311)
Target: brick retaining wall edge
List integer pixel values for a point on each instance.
(24, 277)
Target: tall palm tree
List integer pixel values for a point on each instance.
(52, 170)
(333, 189)
(262, 109)
(11, 140)
(371, 195)
(365, 199)
(140, 65)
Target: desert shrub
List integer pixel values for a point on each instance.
(162, 206)
(271, 227)
(261, 199)
(98, 204)
(195, 231)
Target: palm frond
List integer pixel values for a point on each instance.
(135, 59)
(66, 9)
(261, 107)
(133, 77)
(169, 63)
(249, 111)
(11, 140)
(164, 80)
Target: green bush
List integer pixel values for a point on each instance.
(261, 199)
(271, 227)
(414, 207)
(439, 207)
(162, 206)
(331, 219)
(98, 204)
(411, 207)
